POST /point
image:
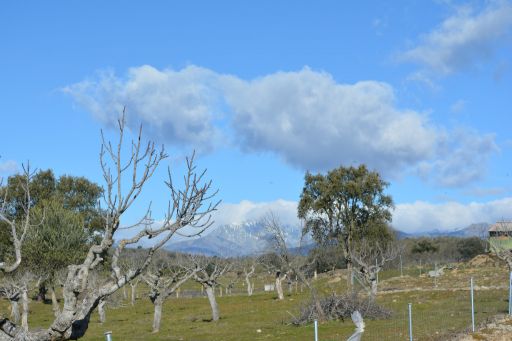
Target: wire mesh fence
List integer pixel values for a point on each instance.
(437, 312)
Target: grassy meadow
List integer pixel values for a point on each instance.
(438, 311)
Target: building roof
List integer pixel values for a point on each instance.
(501, 226)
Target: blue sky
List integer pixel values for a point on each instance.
(418, 90)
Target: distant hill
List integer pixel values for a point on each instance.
(250, 238)
(473, 230)
(235, 240)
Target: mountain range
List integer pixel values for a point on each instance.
(235, 240)
(250, 238)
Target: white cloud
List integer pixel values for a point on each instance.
(408, 217)
(249, 211)
(176, 106)
(305, 117)
(458, 106)
(315, 123)
(462, 158)
(463, 40)
(8, 167)
(425, 216)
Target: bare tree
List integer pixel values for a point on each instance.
(293, 265)
(278, 243)
(131, 260)
(133, 290)
(371, 258)
(12, 292)
(18, 228)
(185, 209)
(290, 264)
(163, 280)
(228, 283)
(208, 273)
(249, 268)
(15, 288)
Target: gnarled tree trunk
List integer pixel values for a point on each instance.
(133, 292)
(279, 287)
(24, 308)
(373, 288)
(15, 311)
(157, 317)
(55, 302)
(250, 286)
(213, 303)
(101, 311)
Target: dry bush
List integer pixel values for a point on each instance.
(339, 307)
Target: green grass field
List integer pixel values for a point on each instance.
(437, 311)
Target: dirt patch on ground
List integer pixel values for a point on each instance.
(500, 329)
(485, 261)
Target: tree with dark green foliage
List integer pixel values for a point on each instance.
(424, 246)
(58, 241)
(69, 218)
(470, 247)
(343, 205)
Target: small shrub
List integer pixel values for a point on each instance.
(339, 307)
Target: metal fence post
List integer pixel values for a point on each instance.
(510, 294)
(401, 268)
(108, 336)
(316, 330)
(435, 274)
(410, 322)
(472, 308)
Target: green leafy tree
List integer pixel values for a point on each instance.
(424, 246)
(343, 206)
(71, 212)
(58, 241)
(470, 247)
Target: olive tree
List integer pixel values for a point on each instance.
(15, 220)
(125, 178)
(248, 267)
(207, 273)
(339, 206)
(60, 200)
(163, 279)
(288, 264)
(371, 258)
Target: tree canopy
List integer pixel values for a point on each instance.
(345, 205)
(71, 215)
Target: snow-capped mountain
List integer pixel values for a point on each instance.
(233, 240)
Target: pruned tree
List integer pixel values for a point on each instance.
(289, 264)
(15, 219)
(186, 209)
(208, 271)
(163, 279)
(15, 288)
(370, 256)
(249, 268)
(228, 282)
(12, 292)
(131, 260)
(339, 205)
